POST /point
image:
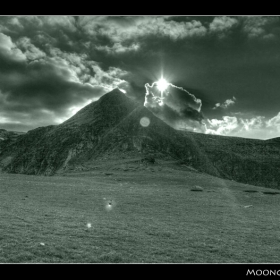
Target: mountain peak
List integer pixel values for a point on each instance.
(116, 96)
(111, 106)
(115, 91)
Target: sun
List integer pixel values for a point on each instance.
(162, 84)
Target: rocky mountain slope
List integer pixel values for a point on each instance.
(111, 127)
(244, 160)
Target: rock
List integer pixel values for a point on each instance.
(197, 189)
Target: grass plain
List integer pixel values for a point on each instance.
(155, 217)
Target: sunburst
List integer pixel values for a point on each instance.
(162, 84)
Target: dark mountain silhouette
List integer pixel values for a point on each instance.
(110, 127)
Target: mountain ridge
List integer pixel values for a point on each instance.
(111, 126)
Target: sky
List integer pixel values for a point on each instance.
(222, 71)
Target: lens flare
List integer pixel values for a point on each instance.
(162, 84)
(109, 205)
(174, 105)
(145, 121)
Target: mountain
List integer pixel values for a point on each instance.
(110, 128)
(8, 137)
(250, 161)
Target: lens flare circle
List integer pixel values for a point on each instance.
(145, 121)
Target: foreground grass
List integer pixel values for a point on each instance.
(155, 218)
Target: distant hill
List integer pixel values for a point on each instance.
(8, 136)
(110, 128)
(244, 160)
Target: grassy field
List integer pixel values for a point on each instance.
(154, 218)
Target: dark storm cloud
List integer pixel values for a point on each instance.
(173, 116)
(39, 88)
(176, 106)
(120, 29)
(55, 63)
(46, 81)
(190, 113)
(45, 86)
(181, 98)
(188, 118)
(39, 93)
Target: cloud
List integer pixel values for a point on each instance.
(259, 26)
(118, 48)
(226, 104)
(176, 106)
(222, 24)
(57, 64)
(30, 51)
(255, 127)
(15, 24)
(84, 70)
(274, 122)
(9, 50)
(42, 89)
(66, 22)
(44, 31)
(227, 126)
(262, 27)
(129, 28)
(108, 80)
